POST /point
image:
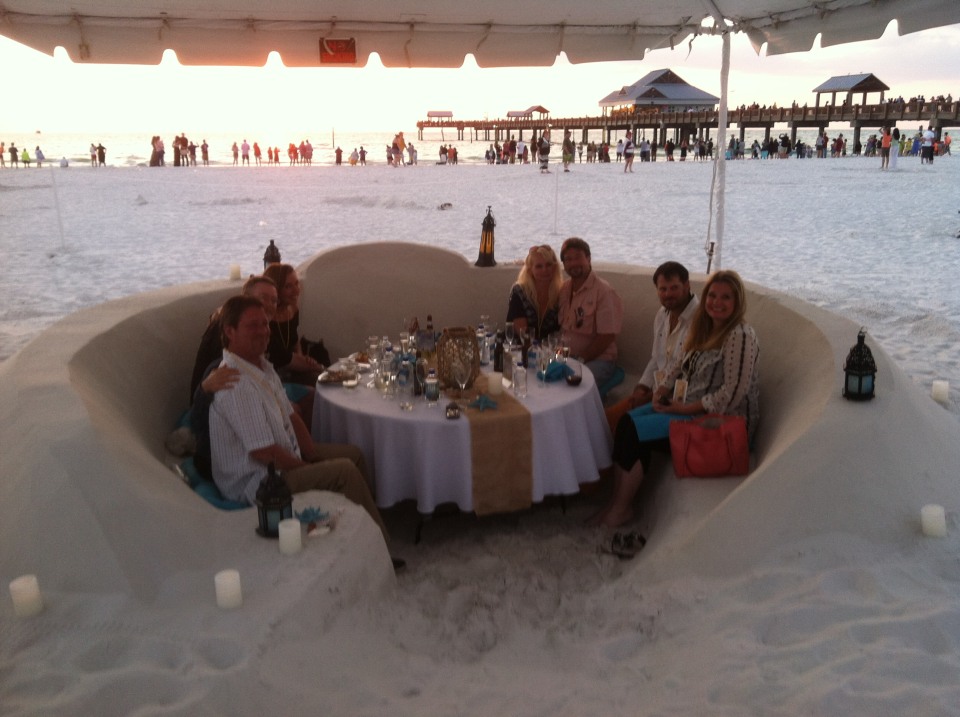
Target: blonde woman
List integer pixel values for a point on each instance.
(720, 369)
(534, 298)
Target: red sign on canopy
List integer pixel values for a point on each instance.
(338, 52)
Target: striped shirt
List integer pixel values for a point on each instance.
(253, 414)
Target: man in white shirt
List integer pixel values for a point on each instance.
(677, 307)
(253, 424)
(926, 146)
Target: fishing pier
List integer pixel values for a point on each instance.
(699, 123)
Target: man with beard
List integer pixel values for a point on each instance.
(677, 306)
(591, 312)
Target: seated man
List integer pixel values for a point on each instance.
(591, 312)
(253, 424)
(677, 306)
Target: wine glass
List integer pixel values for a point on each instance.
(576, 377)
(508, 331)
(460, 375)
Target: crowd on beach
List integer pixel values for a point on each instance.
(254, 379)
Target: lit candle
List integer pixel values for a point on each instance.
(940, 391)
(495, 384)
(25, 592)
(933, 520)
(290, 536)
(234, 272)
(227, 583)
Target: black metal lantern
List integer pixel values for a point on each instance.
(486, 242)
(274, 503)
(860, 372)
(271, 255)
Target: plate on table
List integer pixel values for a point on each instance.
(332, 378)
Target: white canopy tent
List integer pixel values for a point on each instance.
(439, 33)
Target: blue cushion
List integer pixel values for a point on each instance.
(207, 489)
(611, 383)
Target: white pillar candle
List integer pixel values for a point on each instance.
(940, 391)
(934, 521)
(495, 384)
(235, 272)
(227, 583)
(290, 536)
(25, 592)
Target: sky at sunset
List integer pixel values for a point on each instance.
(54, 95)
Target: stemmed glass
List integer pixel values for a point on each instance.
(508, 331)
(460, 375)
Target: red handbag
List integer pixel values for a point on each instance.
(710, 446)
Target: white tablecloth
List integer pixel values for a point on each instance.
(423, 455)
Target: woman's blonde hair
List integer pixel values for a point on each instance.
(703, 335)
(526, 282)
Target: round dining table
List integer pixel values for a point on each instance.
(421, 454)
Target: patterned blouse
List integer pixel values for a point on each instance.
(522, 307)
(725, 379)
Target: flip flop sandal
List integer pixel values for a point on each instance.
(624, 545)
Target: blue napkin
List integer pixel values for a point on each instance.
(311, 515)
(556, 371)
(483, 402)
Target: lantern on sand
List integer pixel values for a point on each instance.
(486, 241)
(274, 503)
(859, 371)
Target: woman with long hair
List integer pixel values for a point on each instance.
(285, 351)
(534, 299)
(720, 372)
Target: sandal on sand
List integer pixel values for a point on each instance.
(625, 545)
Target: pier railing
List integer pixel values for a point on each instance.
(938, 115)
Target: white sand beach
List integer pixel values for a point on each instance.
(807, 588)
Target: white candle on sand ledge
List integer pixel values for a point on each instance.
(25, 592)
(227, 583)
(234, 272)
(933, 520)
(940, 391)
(290, 536)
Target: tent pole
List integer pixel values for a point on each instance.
(714, 246)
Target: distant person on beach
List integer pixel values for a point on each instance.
(534, 299)
(3, 154)
(14, 156)
(245, 152)
(205, 153)
(192, 153)
(38, 154)
(896, 146)
(627, 152)
(886, 139)
(354, 157)
(236, 154)
(101, 155)
(619, 150)
(93, 155)
(244, 441)
(670, 326)
(926, 146)
(25, 157)
(568, 150)
(64, 163)
(720, 371)
(339, 156)
(363, 156)
(591, 312)
(257, 154)
(543, 149)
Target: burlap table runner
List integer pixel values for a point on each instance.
(501, 453)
